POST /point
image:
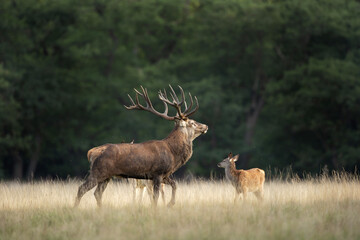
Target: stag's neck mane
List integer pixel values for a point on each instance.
(180, 143)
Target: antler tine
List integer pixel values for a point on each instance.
(191, 104)
(173, 95)
(176, 103)
(137, 100)
(137, 92)
(149, 107)
(182, 97)
(146, 96)
(166, 108)
(133, 106)
(164, 98)
(194, 110)
(185, 106)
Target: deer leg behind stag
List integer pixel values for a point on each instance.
(162, 193)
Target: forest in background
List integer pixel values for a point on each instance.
(277, 81)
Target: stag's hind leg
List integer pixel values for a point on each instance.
(99, 191)
(85, 187)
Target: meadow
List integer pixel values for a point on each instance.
(312, 208)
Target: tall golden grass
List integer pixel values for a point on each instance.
(315, 208)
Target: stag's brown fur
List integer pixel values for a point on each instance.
(156, 160)
(137, 184)
(244, 181)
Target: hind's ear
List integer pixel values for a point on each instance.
(230, 155)
(234, 159)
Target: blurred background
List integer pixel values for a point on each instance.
(278, 82)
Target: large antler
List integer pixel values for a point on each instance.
(176, 103)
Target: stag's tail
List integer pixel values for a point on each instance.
(95, 152)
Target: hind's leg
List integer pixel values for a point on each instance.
(244, 191)
(99, 191)
(259, 194)
(86, 186)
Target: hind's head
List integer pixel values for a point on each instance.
(227, 161)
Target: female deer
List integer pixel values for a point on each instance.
(244, 181)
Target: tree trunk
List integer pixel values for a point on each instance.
(18, 166)
(34, 159)
(257, 103)
(250, 130)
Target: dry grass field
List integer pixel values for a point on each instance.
(320, 208)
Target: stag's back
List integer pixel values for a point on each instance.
(141, 160)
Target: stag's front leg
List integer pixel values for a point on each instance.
(156, 183)
(172, 183)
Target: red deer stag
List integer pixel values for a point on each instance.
(156, 160)
(244, 181)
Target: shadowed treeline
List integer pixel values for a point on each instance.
(277, 81)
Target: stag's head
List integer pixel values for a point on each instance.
(227, 161)
(189, 127)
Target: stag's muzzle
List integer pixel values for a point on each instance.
(205, 130)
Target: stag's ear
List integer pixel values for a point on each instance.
(234, 159)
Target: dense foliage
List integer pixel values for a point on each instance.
(277, 81)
